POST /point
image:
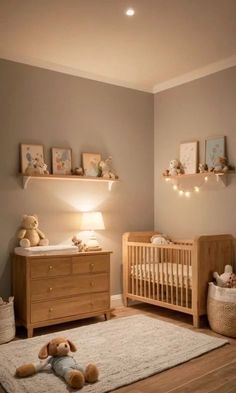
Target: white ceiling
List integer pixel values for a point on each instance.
(165, 41)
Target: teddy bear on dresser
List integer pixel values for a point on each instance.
(30, 235)
(61, 363)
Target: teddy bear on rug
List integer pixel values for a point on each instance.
(61, 363)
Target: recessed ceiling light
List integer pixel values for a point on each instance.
(130, 12)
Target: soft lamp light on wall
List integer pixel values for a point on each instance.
(92, 221)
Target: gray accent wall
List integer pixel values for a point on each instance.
(196, 110)
(40, 106)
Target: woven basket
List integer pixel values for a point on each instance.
(7, 322)
(221, 310)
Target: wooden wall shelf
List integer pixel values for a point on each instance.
(27, 179)
(200, 178)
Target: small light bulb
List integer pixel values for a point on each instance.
(181, 192)
(197, 189)
(175, 187)
(130, 12)
(187, 194)
(167, 179)
(206, 178)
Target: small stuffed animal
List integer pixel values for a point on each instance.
(61, 363)
(79, 171)
(30, 235)
(160, 239)
(36, 167)
(78, 242)
(106, 170)
(227, 279)
(221, 165)
(175, 168)
(203, 168)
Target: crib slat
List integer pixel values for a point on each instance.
(166, 261)
(149, 257)
(161, 251)
(187, 278)
(133, 268)
(137, 272)
(177, 278)
(171, 288)
(182, 276)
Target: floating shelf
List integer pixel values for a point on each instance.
(199, 178)
(27, 179)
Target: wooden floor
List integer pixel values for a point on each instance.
(212, 372)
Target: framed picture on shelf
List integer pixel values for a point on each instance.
(214, 148)
(189, 156)
(30, 154)
(61, 161)
(90, 163)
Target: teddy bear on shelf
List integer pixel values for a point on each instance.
(36, 167)
(106, 169)
(227, 279)
(78, 243)
(175, 168)
(62, 364)
(30, 235)
(203, 168)
(221, 165)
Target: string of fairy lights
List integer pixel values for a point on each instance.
(188, 190)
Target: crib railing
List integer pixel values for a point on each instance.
(161, 273)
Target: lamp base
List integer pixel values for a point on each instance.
(95, 248)
(92, 243)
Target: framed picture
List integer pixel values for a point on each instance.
(90, 163)
(29, 155)
(214, 148)
(189, 156)
(61, 161)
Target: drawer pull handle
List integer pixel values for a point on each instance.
(91, 284)
(50, 267)
(50, 309)
(91, 266)
(50, 289)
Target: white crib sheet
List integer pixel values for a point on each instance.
(162, 273)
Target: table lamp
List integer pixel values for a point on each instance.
(92, 221)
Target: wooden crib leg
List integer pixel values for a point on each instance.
(125, 301)
(196, 321)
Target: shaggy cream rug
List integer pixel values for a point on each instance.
(125, 350)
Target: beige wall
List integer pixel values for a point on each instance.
(194, 111)
(41, 106)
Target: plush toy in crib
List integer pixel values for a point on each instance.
(160, 239)
(30, 235)
(227, 279)
(61, 363)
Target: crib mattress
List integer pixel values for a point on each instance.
(164, 273)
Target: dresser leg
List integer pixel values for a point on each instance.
(107, 315)
(30, 331)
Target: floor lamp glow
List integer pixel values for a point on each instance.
(92, 221)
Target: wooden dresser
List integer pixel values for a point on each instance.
(53, 289)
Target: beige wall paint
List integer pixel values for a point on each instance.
(194, 111)
(41, 106)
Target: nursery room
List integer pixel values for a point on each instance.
(118, 184)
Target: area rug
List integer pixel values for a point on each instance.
(124, 349)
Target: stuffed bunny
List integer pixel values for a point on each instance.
(227, 279)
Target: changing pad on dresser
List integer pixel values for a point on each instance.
(46, 250)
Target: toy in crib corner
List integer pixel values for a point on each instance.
(175, 168)
(160, 239)
(30, 235)
(227, 279)
(62, 364)
(78, 242)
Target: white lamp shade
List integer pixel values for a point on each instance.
(92, 221)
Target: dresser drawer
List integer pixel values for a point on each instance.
(90, 264)
(49, 267)
(51, 288)
(82, 304)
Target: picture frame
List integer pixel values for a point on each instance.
(29, 153)
(215, 147)
(61, 160)
(189, 156)
(90, 163)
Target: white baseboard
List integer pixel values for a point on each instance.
(116, 301)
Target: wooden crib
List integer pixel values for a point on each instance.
(175, 275)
